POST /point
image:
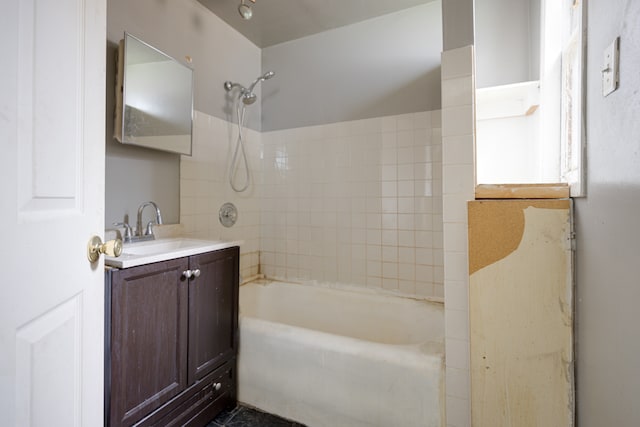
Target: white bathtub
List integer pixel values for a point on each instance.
(341, 358)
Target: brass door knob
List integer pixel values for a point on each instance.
(95, 248)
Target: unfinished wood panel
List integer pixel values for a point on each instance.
(521, 313)
(498, 228)
(522, 191)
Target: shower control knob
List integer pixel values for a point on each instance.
(228, 214)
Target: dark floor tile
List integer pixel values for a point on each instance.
(249, 417)
(243, 416)
(225, 416)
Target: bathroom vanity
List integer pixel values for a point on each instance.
(171, 334)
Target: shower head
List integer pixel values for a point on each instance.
(249, 98)
(247, 95)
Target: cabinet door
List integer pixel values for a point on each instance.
(213, 311)
(148, 338)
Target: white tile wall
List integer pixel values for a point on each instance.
(358, 202)
(458, 133)
(204, 187)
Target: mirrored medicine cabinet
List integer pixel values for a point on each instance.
(154, 98)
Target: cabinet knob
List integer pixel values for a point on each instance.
(217, 386)
(190, 274)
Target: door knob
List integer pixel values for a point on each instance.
(95, 248)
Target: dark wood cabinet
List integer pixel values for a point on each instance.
(171, 340)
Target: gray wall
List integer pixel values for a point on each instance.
(535, 14)
(383, 66)
(507, 41)
(219, 53)
(458, 18)
(608, 228)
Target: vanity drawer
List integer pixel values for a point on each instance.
(200, 403)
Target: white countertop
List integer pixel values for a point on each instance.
(135, 254)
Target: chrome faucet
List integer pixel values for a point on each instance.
(149, 230)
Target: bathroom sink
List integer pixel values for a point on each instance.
(134, 254)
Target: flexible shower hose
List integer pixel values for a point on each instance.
(240, 110)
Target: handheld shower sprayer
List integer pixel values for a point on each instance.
(265, 76)
(248, 97)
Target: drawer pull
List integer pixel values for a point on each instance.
(217, 386)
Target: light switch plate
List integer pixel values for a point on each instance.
(610, 67)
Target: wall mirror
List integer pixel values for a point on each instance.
(154, 98)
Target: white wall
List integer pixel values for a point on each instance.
(507, 41)
(507, 135)
(219, 53)
(506, 150)
(535, 15)
(608, 231)
(383, 66)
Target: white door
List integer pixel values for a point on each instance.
(52, 85)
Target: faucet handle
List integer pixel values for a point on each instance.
(128, 233)
(149, 230)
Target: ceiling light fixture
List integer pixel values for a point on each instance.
(245, 10)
